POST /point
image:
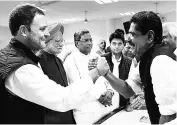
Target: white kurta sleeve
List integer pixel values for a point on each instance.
(30, 83)
(134, 80)
(163, 72)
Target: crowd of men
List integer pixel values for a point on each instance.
(36, 87)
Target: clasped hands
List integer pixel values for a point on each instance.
(106, 98)
(138, 102)
(102, 66)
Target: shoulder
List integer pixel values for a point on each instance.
(107, 55)
(29, 69)
(161, 59)
(163, 63)
(69, 60)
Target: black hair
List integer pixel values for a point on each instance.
(117, 35)
(78, 34)
(119, 31)
(148, 20)
(23, 15)
(130, 42)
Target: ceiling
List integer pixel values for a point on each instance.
(73, 11)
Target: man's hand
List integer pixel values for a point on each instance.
(92, 63)
(138, 102)
(106, 98)
(102, 66)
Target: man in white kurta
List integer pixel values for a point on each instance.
(76, 66)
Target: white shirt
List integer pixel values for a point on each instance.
(163, 71)
(116, 65)
(116, 68)
(30, 83)
(134, 79)
(76, 65)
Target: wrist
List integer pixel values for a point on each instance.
(98, 71)
(94, 74)
(111, 91)
(107, 74)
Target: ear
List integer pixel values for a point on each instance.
(23, 30)
(76, 43)
(151, 36)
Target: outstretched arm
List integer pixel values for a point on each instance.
(119, 85)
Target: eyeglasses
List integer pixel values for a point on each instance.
(86, 40)
(60, 41)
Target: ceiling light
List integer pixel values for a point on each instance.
(127, 13)
(105, 1)
(98, 1)
(115, 0)
(121, 14)
(132, 13)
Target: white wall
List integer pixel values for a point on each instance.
(99, 29)
(4, 36)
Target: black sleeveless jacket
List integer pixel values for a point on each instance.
(145, 64)
(15, 110)
(52, 66)
(124, 69)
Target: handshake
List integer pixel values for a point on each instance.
(100, 64)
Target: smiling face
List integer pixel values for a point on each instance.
(170, 34)
(85, 44)
(138, 39)
(36, 37)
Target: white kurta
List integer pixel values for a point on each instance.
(76, 66)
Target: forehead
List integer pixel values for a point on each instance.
(39, 21)
(102, 41)
(132, 28)
(115, 40)
(86, 36)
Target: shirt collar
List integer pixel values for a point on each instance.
(78, 53)
(175, 52)
(114, 60)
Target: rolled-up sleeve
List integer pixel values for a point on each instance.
(163, 72)
(134, 80)
(30, 83)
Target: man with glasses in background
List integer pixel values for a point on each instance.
(52, 66)
(76, 66)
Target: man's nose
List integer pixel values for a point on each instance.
(46, 34)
